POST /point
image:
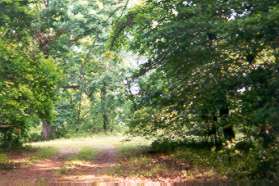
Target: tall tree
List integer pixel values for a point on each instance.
(216, 62)
(28, 80)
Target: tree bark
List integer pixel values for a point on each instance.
(105, 121)
(47, 130)
(228, 131)
(104, 107)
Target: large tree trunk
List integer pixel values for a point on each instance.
(47, 130)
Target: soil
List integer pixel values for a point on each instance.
(54, 170)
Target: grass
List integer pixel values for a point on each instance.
(135, 147)
(135, 158)
(87, 147)
(80, 150)
(7, 163)
(44, 153)
(85, 154)
(76, 144)
(3, 158)
(190, 164)
(64, 169)
(222, 163)
(142, 166)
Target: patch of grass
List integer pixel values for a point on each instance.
(3, 158)
(184, 164)
(6, 163)
(74, 145)
(207, 160)
(132, 147)
(148, 166)
(85, 154)
(44, 153)
(136, 166)
(99, 142)
(225, 163)
(63, 170)
(129, 150)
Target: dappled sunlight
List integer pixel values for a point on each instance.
(101, 160)
(85, 178)
(139, 92)
(47, 165)
(74, 145)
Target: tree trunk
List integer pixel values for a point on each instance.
(104, 108)
(228, 131)
(78, 119)
(81, 92)
(7, 142)
(105, 121)
(47, 130)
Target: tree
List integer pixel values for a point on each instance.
(108, 91)
(28, 80)
(216, 62)
(75, 33)
(15, 19)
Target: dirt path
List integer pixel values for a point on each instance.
(59, 169)
(109, 162)
(62, 167)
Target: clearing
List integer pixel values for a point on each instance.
(97, 159)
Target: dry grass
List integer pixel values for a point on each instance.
(75, 145)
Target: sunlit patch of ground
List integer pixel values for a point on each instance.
(101, 159)
(74, 145)
(77, 159)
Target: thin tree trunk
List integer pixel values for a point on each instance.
(104, 107)
(81, 92)
(106, 121)
(78, 121)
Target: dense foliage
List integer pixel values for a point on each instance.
(211, 75)
(28, 80)
(75, 34)
(208, 74)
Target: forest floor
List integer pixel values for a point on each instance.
(99, 159)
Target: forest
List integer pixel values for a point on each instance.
(155, 92)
